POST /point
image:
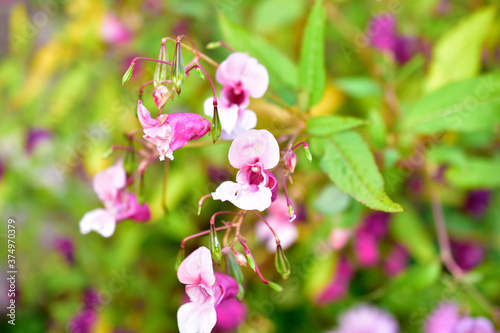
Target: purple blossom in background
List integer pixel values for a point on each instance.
(476, 203)
(339, 285)
(34, 137)
(83, 322)
(367, 319)
(397, 261)
(368, 236)
(447, 319)
(113, 31)
(467, 254)
(385, 38)
(91, 299)
(65, 247)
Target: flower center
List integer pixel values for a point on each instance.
(236, 95)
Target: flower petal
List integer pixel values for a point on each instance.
(99, 220)
(225, 288)
(144, 116)
(255, 78)
(196, 317)
(231, 70)
(107, 183)
(197, 268)
(254, 146)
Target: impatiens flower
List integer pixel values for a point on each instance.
(206, 290)
(477, 202)
(120, 204)
(172, 131)
(65, 248)
(368, 236)
(113, 31)
(254, 152)
(385, 38)
(366, 318)
(447, 319)
(339, 284)
(242, 77)
(279, 220)
(467, 254)
(397, 260)
(230, 314)
(35, 136)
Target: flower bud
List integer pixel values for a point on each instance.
(240, 259)
(213, 45)
(308, 153)
(160, 73)
(275, 286)
(251, 262)
(214, 245)
(161, 94)
(108, 153)
(128, 73)
(180, 258)
(291, 214)
(178, 74)
(281, 262)
(234, 268)
(216, 125)
(200, 73)
(291, 161)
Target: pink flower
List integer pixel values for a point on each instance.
(467, 253)
(339, 238)
(397, 260)
(242, 77)
(206, 290)
(34, 137)
(230, 314)
(280, 221)
(365, 318)
(172, 131)
(113, 31)
(368, 236)
(446, 319)
(254, 153)
(120, 205)
(339, 284)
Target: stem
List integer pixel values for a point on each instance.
(211, 83)
(129, 149)
(195, 51)
(303, 143)
(444, 242)
(141, 88)
(247, 252)
(212, 219)
(203, 233)
(164, 192)
(278, 242)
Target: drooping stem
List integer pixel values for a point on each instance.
(212, 219)
(211, 83)
(303, 143)
(247, 252)
(183, 243)
(278, 242)
(444, 242)
(292, 215)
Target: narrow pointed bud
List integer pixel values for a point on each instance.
(160, 73)
(200, 73)
(214, 245)
(199, 210)
(108, 153)
(161, 94)
(308, 153)
(291, 161)
(216, 126)
(180, 258)
(275, 286)
(213, 45)
(291, 214)
(282, 264)
(178, 73)
(128, 73)
(250, 260)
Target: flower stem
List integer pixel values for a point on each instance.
(247, 252)
(164, 191)
(278, 242)
(183, 243)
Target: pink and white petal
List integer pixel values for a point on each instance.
(286, 231)
(228, 118)
(197, 268)
(98, 220)
(196, 317)
(252, 197)
(144, 116)
(254, 146)
(226, 191)
(231, 69)
(197, 293)
(107, 182)
(247, 120)
(474, 325)
(208, 106)
(255, 79)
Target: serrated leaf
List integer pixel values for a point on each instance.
(463, 106)
(312, 72)
(327, 125)
(349, 163)
(282, 71)
(457, 54)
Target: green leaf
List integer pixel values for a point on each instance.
(464, 106)
(282, 71)
(327, 125)
(359, 86)
(475, 172)
(312, 72)
(457, 54)
(349, 163)
(416, 278)
(272, 14)
(408, 229)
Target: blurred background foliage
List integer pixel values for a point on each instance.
(58, 74)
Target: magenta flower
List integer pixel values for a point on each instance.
(279, 220)
(366, 318)
(113, 31)
(467, 254)
(242, 77)
(83, 322)
(172, 131)
(34, 137)
(254, 152)
(447, 319)
(338, 286)
(477, 202)
(119, 204)
(230, 315)
(368, 236)
(65, 247)
(397, 261)
(206, 290)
